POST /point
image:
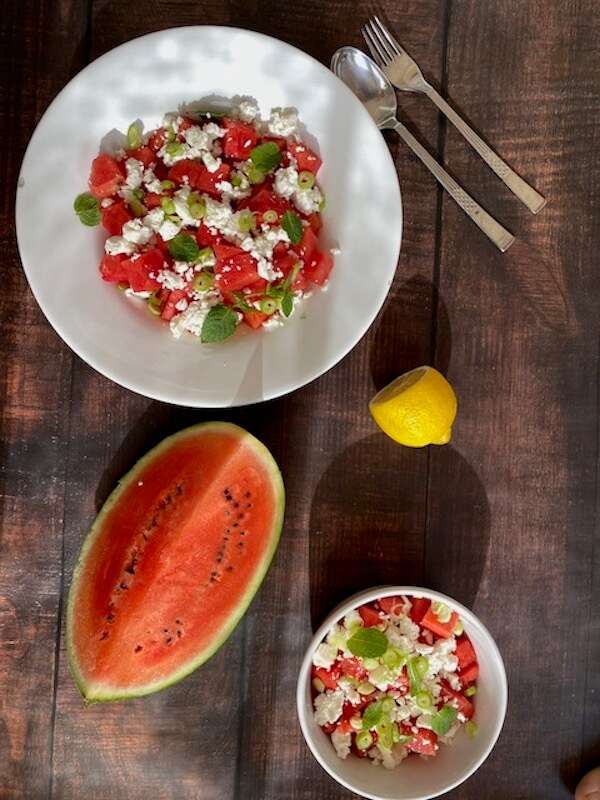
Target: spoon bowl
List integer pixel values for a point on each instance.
(368, 83)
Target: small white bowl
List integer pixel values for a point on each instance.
(416, 778)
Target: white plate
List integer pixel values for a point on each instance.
(416, 778)
(143, 79)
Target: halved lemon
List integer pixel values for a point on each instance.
(416, 409)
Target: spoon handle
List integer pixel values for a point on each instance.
(491, 227)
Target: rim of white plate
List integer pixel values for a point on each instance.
(166, 396)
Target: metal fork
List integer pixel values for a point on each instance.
(404, 73)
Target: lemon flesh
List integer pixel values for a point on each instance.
(416, 409)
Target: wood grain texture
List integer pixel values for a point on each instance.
(525, 364)
(34, 384)
(504, 518)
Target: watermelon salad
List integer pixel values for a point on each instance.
(212, 220)
(394, 678)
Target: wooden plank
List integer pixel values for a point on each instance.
(356, 502)
(217, 736)
(525, 368)
(34, 385)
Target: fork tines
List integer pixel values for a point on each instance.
(383, 46)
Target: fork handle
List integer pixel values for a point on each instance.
(526, 193)
(491, 227)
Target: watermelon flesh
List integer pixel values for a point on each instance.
(172, 561)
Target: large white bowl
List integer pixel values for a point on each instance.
(143, 79)
(416, 778)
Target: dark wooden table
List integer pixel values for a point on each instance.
(504, 518)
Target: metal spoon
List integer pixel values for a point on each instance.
(375, 91)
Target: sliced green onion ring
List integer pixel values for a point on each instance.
(246, 221)
(364, 740)
(270, 216)
(153, 304)
(203, 281)
(268, 306)
(134, 136)
(306, 180)
(167, 205)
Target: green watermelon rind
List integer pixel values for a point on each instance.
(103, 693)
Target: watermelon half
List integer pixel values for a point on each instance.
(172, 561)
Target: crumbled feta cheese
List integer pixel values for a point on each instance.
(229, 191)
(181, 267)
(197, 138)
(248, 110)
(191, 320)
(442, 658)
(168, 230)
(131, 293)
(261, 248)
(180, 201)
(286, 181)
(170, 280)
(283, 122)
(328, 706)
(115, 245)
(391, 758)
(135, 173)
(107, 202)
(341, 742)
(211, 163)
(151, 182)
(180, 154)
(135, 231)
(348, 687)
(170, 120)
(273, 322)
(181, 305)
(352, 619)
(308, 200)
(218, 215)
(324, 656)
(154, 219)
(407, 628)
(214, 131)
(452, 679)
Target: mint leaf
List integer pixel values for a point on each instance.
(183, 247)
(87, 209)
(291, 224)
(287, 304)
(265, 157)
(443, 720)
(372, 716)
(219, 324)
(368, 643)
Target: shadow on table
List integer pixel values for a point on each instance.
(371, 523)
(573, 769)
(404, 334)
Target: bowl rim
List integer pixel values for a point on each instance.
(168, 396)
(366, 596)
